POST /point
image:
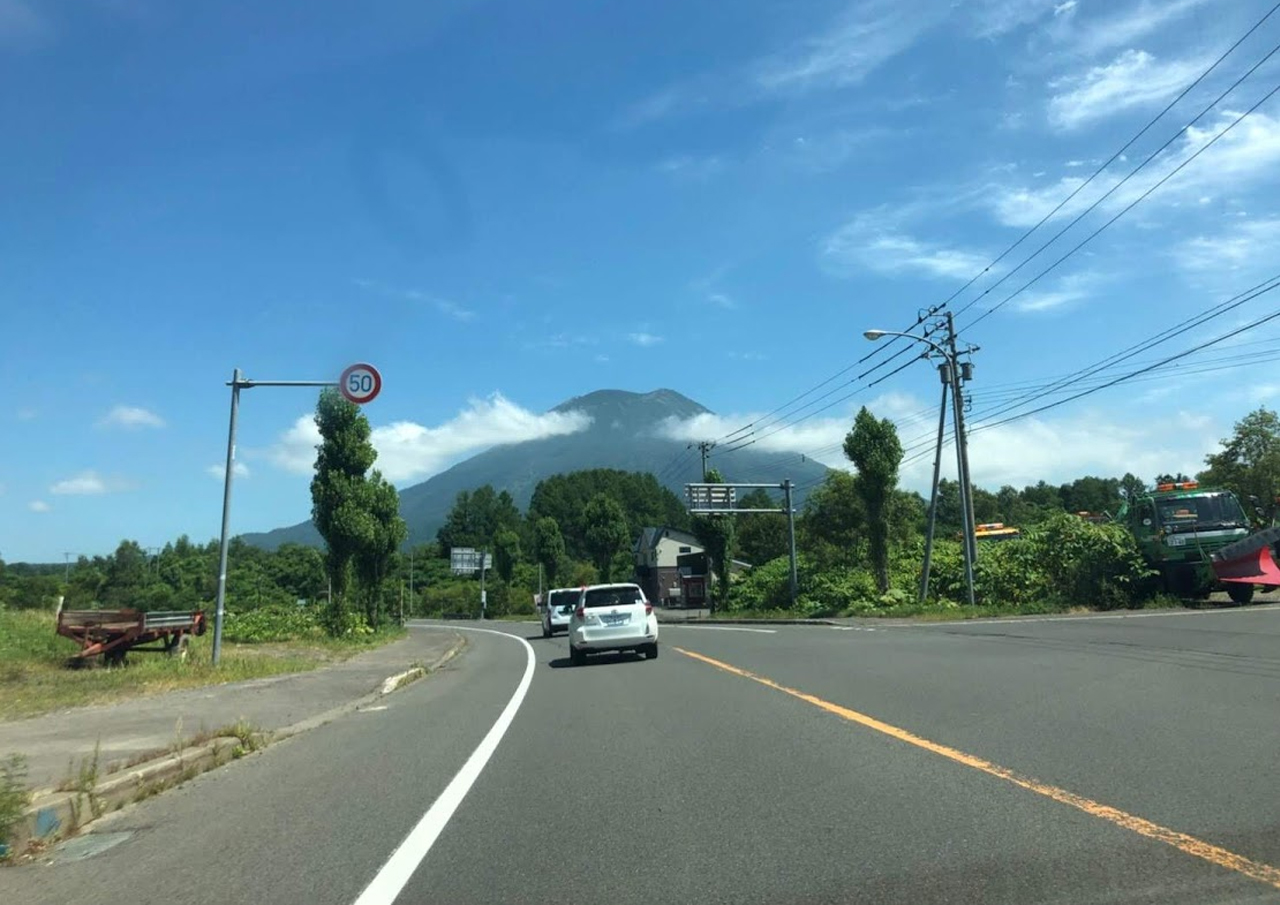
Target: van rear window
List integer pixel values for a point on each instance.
(613, 597)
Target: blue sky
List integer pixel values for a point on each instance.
(504, 205)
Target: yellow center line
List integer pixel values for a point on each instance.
(1256, 870)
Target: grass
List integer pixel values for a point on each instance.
(934, 612)
(14, 797)
(34, 678)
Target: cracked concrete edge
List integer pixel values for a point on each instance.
(62, 814)
(54, 816)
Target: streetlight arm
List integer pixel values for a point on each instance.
(873, 335)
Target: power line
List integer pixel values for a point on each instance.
(1164, 336)
(1065, 201)
(1087, 239)
(1132, 374)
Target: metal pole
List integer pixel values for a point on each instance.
(791, 537)
(962, 442)
(933, 496)
(965, 516)
(226, 517)
(411, 581)
(484, 603)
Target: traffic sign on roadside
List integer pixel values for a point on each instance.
(360, 383)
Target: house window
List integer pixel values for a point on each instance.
(686, 549)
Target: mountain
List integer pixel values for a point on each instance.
(624, 434)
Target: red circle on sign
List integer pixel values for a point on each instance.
(360, 383)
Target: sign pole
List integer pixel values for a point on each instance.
(791, 537)
(933, 497)
(220, 609)
(359, 383)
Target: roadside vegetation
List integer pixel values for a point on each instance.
(34, 677)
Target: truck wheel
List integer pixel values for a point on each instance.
(1240, 594)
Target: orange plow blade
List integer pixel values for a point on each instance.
(1251, 560)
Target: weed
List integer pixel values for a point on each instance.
(14, 797)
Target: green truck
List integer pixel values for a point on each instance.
(1179, 526)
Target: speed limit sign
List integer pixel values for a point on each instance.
(360, 383)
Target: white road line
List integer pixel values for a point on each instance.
(726, 628)
(1224, 610)
(393, 876)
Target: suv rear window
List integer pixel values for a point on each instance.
(623, 596)
(564, 598)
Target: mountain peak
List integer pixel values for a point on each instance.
(623, 408)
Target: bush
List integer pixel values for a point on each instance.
(1064, 561)
(277, 624)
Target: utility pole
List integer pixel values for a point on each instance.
(410, 582)
(66, 572)
(704, 447)
(961, 373)
(944, 372)
(791, 540)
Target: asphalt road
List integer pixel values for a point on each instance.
(1065, 760)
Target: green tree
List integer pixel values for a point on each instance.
(548, 547)
(126, 577)
(476, 518)
(832, 527)
(874, 449)
(717, 536)
(1249, 462)
(506, 553)
(605, 532)
(386, 532)
(339, 497)
(762, 536)
(1132, 486)
(644, 502)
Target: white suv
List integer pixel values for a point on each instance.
(612, 617)
(557, 609)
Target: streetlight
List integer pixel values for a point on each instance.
(950, 374)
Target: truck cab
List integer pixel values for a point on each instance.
(1178, 526)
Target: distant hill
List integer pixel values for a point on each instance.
(623, 434)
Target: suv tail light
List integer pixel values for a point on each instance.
(580, 613)
(648, 609)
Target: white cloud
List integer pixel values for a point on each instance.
(90, 483)
(1069, 290)
(1054, 449)
(1236, 248)
(644, 340)
(1088, 442)
(239, 469)
(822, 149)
(819, 437)
(1102, 34)
(993, 18)
(868, 35)
(1133, 79)
(453, 310)
(720, 300)
(1242, 158)
(130, 416)
(39, 506)
(692, 167)
(863, 245)
(445, 306)
(409, 451)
